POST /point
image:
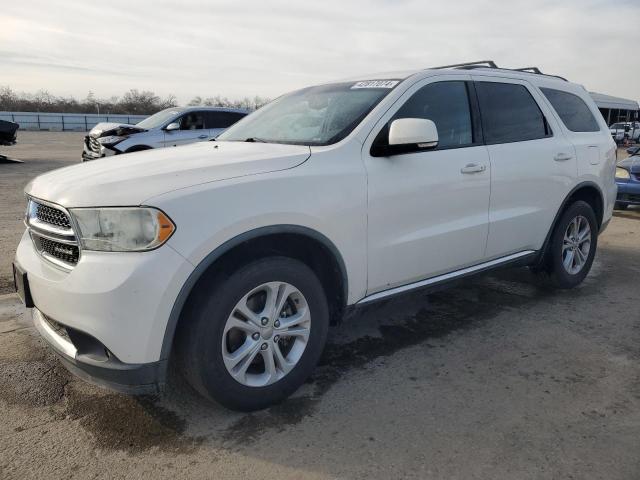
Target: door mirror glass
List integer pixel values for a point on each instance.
(419, 132)
(172, 126)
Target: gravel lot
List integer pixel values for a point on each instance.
(499, 378)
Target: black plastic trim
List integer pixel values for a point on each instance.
(136, 379)
(545, 245)
(202, 267)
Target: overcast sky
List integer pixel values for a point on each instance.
(245, 48)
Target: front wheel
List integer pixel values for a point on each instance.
(253, 338)
(573, 245)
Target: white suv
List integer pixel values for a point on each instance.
(233, 257)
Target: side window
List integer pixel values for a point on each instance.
(447, 105)
(192, 121)
(572, 110)
(509, 113)
(222, 119)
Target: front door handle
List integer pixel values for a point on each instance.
(202, 137)
(473, 168)
(562, 157)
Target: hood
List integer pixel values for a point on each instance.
(105, 129)
(631, 163)
(133, 178)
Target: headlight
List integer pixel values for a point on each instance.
(622, 174)
(126, 229)
(110, 140)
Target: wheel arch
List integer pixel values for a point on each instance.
(587, 191)
(260, 242)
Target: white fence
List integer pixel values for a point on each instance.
(62, 122)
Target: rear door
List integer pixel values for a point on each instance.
(533, 164)
(218, 121)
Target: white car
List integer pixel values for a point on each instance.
(168, 128)
(233, 257)
(620, 131)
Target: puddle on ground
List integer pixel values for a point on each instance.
(131, 424)
(441, 314)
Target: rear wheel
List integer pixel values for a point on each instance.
(255, 337)
(573, 245)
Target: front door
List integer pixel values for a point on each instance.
(192, 129)
(428, 210)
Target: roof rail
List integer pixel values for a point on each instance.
(491, 64)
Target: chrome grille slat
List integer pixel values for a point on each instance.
(52, 233)
(53, 216)
(94, 144)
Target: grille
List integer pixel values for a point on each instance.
(94, 145)
(52, 216)
(62, 251)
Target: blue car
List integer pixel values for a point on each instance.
(628, 181)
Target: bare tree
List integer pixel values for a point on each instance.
(132, 102)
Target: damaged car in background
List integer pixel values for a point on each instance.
(168, 128)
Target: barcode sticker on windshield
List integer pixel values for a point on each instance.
(376, 84)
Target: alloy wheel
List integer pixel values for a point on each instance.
(266, 334)
(576, 245)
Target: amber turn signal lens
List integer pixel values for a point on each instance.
(165, 227)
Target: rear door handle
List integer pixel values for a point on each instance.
(203, 136)
(562, 157)
(473, 168)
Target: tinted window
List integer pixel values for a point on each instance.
(509, 113)
(222, 119)
(572, 110)
(192, 121)
(447, 105)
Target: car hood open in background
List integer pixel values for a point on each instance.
(105, 129)
(131, 179)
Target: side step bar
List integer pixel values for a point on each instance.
(447, 276)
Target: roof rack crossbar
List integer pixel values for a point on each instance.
(491, 64)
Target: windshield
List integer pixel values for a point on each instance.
(158, 119)
(617, 125)
(319, 115)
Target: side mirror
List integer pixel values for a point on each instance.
(413, 131)
(172, 126)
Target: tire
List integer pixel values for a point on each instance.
(210, 335)
(621, 206)
(137, 148)
(562, 271)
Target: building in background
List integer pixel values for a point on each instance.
(615, 109)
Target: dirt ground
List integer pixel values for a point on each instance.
(498, 378)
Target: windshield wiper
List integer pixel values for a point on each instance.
(255, 139)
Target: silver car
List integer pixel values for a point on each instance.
(167, 128)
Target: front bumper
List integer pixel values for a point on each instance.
(114, 308)
(628, 193)
(98, 365)
(89, 154)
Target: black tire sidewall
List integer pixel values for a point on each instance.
(561, 277)
(206, 369)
